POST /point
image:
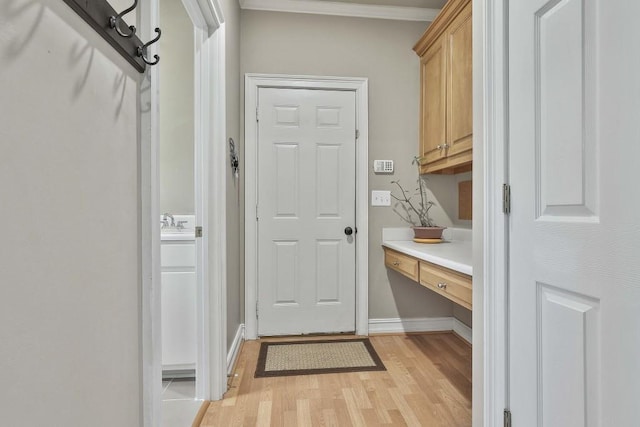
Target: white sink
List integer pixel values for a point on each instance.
(172, 232)
(177, 234)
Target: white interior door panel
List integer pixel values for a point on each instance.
(306, 200)
(574, 281)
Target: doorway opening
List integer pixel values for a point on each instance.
(178, 261)
(172, 251)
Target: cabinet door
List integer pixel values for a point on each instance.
(178, 320)
(178, 299)
(433, 98)
(460, 84)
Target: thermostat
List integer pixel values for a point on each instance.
(383, 166)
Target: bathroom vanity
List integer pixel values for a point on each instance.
(178, 300)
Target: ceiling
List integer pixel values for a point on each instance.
(429, 4)
(408, 10)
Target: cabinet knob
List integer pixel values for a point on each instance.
(439, 147)
(442, 285)
(396, 263)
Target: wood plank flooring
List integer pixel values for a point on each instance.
(427, 383)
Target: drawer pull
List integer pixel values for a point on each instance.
(442, 285)
(396, 263)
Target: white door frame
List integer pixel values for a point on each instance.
(490, 225)
(210, 107)
(149, 191)
(210, 118)
(253, 82)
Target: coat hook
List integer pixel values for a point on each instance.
(114, 21)
(142, 50)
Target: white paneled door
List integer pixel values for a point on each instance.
(306, 211)
(574, 142)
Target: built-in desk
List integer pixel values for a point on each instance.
(444, 268)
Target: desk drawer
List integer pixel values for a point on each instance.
(448, 283)
(401, 263)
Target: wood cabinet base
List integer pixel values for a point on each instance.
(402, 263)
(450, 165)
(450, 284)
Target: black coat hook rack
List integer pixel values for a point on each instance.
(114, 21)
(142, 50)
(111, 26)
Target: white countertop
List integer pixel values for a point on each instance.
(453, 253)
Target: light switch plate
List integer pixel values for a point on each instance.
(380, 198)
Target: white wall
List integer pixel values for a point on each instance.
(462, 314)
(69, 205)
(176, 110)
(235, 230)
(286, 43)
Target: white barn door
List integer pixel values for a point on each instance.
(306, 211)
(574, 142)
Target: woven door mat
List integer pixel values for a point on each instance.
(317, 357)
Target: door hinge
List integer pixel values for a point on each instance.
(257, 115)
(507, 418)
(357, 134)
(256, 309)
(199, 231)
(256, 212)
(506, 198)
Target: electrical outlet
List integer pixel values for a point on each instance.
(380, 198)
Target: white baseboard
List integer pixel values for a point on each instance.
(424, 324)
(398, 325)
(463, 330)
(234, 351)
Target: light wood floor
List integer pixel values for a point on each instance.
(427, 383)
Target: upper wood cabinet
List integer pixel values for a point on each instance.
(433, 96)
(446, 111)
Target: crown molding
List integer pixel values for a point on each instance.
(321, 7)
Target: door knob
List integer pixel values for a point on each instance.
(348, 231)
